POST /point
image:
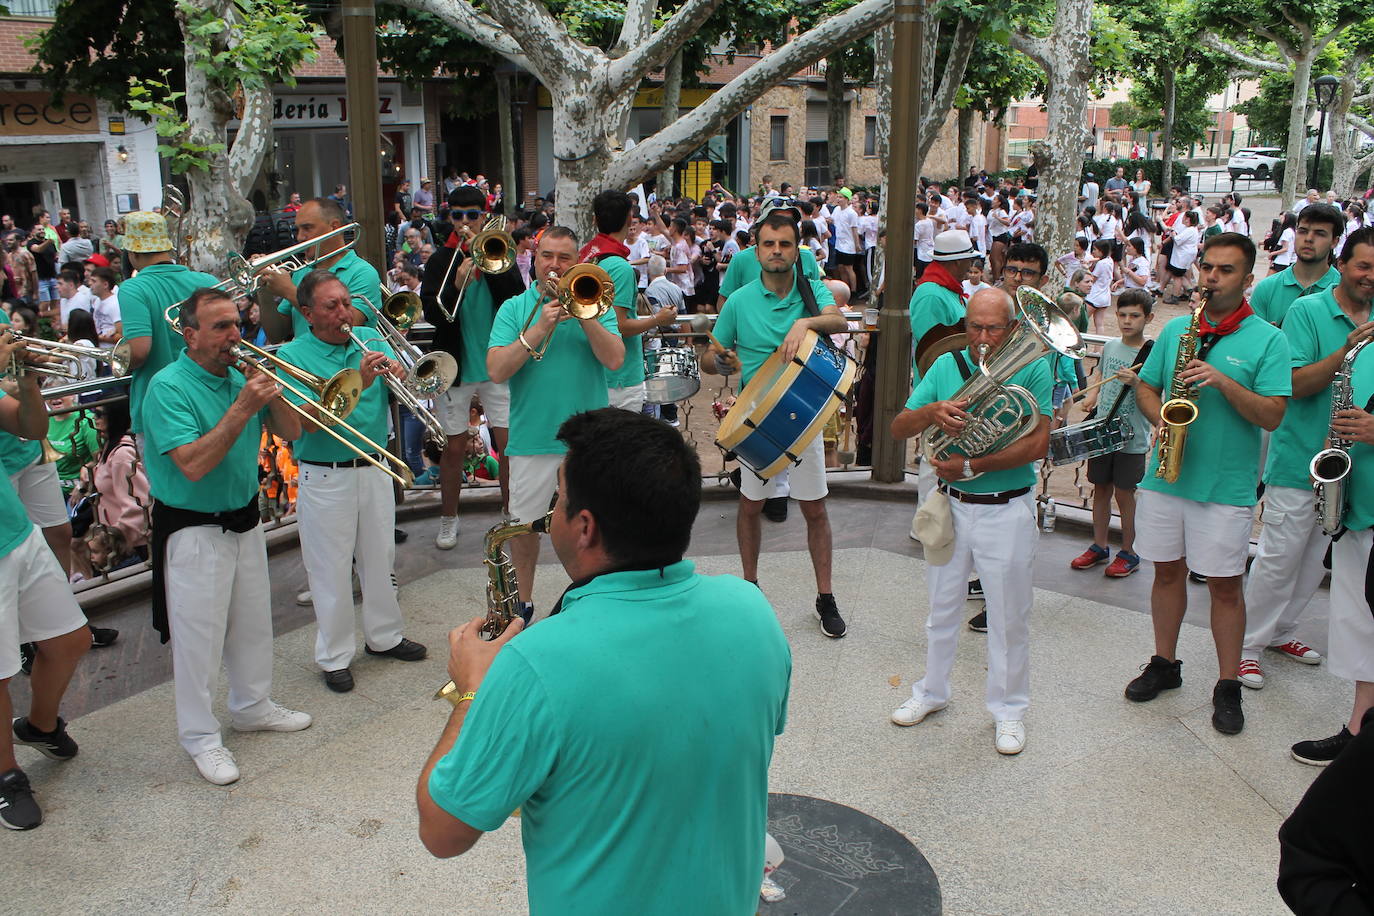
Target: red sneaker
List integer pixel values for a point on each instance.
(1090, 557)
(1124, 564)
(1299, 652)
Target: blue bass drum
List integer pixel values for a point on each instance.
(785, 406)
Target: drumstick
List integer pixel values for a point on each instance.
(1096, 385)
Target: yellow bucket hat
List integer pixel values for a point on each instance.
(145, 232)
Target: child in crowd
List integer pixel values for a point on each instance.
(1099, 296)
(974, 281)
(1072, 262)
(1119, 473)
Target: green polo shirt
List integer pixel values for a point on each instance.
(73, 437)
(369, 417)
(476, 313)
(1276, 293)
(15, 526)
(544, 393)
(143, 302)
(359, 276)
(569, 726)
(15, 453)
(944, 380)
(1315, 327)
(183, 403)
(744, 269)
(626, 291)
(1221, 455)
(931, 305)
(1359, 513)
(754, 321)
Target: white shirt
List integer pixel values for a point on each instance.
(1284, 258)
(978, 231)
(1022, 225)
(1100, 296)
(81, 300)
(868, 226)
(970, 289)
(1140, 266)
(1185, 247)
(106, 314)
(925, 239)
(1091, 192)
(1106, 225)
(640, 249)
(846, 223)
(682, 254)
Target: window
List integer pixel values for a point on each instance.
(817, 173)
(777, 137)
(870, 136)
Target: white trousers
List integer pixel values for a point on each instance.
(1287, 569)
(631, 397)
(218, 606)
(997, 542)
(1350, 654)
(347, 516)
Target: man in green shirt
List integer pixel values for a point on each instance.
(556, 366)
(624, 808)
(938, 300)
(992, 506)
(1321, 329)
(204, 423)
(1320, 227)
(1240, 380)
(36, 606)
(744, 265)
(345, 506)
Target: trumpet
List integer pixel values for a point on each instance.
(585, 291)
(493, 251)
(428, 375)
(401, 390)
(247, 275)
(52, 353)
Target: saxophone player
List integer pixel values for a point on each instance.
(1196, 502)
(1321, 329)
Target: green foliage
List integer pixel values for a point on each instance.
(1194, 84)
(1267, 111)
(1125, 113)
(1325, 171)
(96, 46)
(995, 77)
(1154, 168)
(158, 102)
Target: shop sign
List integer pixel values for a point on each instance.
(27, 114)
(325, 110)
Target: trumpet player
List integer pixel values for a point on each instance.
(1238, 377)
(346, 507)
(992, 510)
(203, 424)
(556, 366)
(1321, 329)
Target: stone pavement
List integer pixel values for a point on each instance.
(1113, 807)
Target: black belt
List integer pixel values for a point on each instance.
(984, 499)
(355, 463)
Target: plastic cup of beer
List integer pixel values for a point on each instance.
(871, 319)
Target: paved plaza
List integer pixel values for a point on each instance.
(1113, 807)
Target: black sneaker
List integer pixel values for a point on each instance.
(55, 745)
(339, 681)
(975, 590)
(1159, 674)
(27, 652)
(18, 810)
(1199, 578)
(1322, 751)
(832, 624)
(775, 509)
(1227, 716)
(407, 650)
(101, 637)
(979, 622)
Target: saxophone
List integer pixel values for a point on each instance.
(503, 596)
(1178, 413)
(1330, 468)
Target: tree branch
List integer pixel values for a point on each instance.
(250, 143)
(1363, 125)
(1335, 31)
(481, 28)
(637, 25)
(1223, 47)
(1037, 49)
(965, 37)
(630, 69)
(556, 56)
(1285, 46)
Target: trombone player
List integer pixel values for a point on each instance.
(991, 505)
(1239, 377)
(345, 506)
(210, 591)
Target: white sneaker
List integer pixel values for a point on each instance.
(1251, 675)
(1011, 736)
(217, 766)
(303, 598)
(278, 719)
(448, 532)
(913, 710)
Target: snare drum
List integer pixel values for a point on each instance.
(670, 375)
(1089, 440)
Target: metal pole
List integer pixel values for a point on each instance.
(909, 98)
(1317, 163)
(364, 132)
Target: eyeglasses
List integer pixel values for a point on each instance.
(985, 328)
(469, 214)
(1010, 271)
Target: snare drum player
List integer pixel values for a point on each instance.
(556, 366)
(770, 314)
(995, 532)
(204, 422)
(1242, 378)
(625, 809)
(345, 505)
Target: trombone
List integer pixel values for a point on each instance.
(585, 291)
(493, 250)
(401, 390)
(428, 375)
(247, 275)
(50, 352)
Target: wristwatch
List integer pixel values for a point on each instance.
(968, 469)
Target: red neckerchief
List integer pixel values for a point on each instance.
(601, 246)
(935, 273)
(1226, 326)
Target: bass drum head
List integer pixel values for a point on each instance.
(939, 348)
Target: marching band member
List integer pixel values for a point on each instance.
(744, 266)
(613, 212)
(1319, 228)
(36, 605)
(203, 424)
(1239, 379)
(1351, 642)
(345, 505)
(1321, 329)
(994, 529)
(624, 808)
(546, 388)
(771, 314)
(465, 339)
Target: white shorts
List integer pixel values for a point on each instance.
(807, 479)
(41, 493)
(41, 607)
(533, 481)
(1350, 649)
(1213, 537)
(452, 407)
(631, 397)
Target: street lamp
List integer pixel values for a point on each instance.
(1325, 88)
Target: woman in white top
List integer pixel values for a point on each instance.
(925, 238)
(1108, 222)
(1022, 220)
(999, 231)
(977, 225)
(1286, 252)
(1141, 187)
(1135, 269)
(1104, 275)
(1186, 239)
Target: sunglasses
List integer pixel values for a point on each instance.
(469, 214)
